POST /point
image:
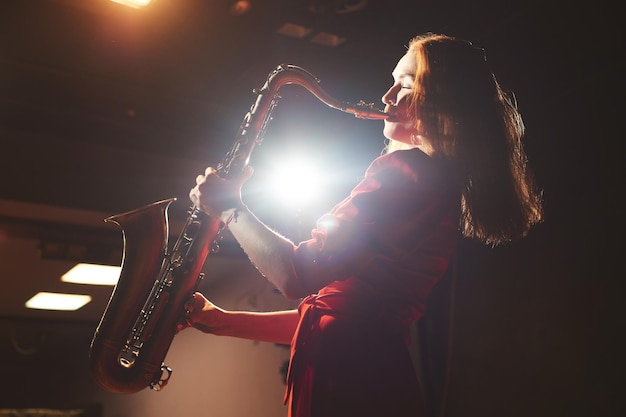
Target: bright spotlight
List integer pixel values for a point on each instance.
(295, 182)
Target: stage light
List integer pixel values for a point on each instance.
(295, 182)
(240, 7)
(137, 4)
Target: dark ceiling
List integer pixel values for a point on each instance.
(106, 108)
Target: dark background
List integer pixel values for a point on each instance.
(105, 109)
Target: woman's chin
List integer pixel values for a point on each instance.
(393, 133)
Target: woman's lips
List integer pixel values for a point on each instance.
(391, 111)
(392, 118)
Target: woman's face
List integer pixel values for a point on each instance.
(400, 126)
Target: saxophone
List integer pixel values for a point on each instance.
(133, 336)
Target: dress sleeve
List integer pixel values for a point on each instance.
(378, 219)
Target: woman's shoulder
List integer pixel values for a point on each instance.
(415, 169)
(412, 164)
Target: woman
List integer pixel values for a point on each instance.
(453, 163)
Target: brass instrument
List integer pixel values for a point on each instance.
(140, 321)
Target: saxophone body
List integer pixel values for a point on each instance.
(140, 321)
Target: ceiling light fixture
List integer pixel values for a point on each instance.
(92, 274)
(296, 31)
(293, 30)
(57, 301)
(328, 39)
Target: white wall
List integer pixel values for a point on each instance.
(215, 375)
(212, 376)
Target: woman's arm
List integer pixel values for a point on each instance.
(270, 252)
(274, 327)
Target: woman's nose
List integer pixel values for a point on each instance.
(390, 96)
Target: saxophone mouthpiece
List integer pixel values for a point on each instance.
(364, 110)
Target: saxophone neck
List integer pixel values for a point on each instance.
(292, 74)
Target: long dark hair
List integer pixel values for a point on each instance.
(469, 120)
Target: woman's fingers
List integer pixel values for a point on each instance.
(191, 309)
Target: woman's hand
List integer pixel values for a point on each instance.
(273, 327)
(201, 314)
(218, 196)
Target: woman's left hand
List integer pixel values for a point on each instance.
(201, 314)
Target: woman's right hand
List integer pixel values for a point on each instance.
(201, 314)
(215, 195)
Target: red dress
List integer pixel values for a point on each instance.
(377, 255)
